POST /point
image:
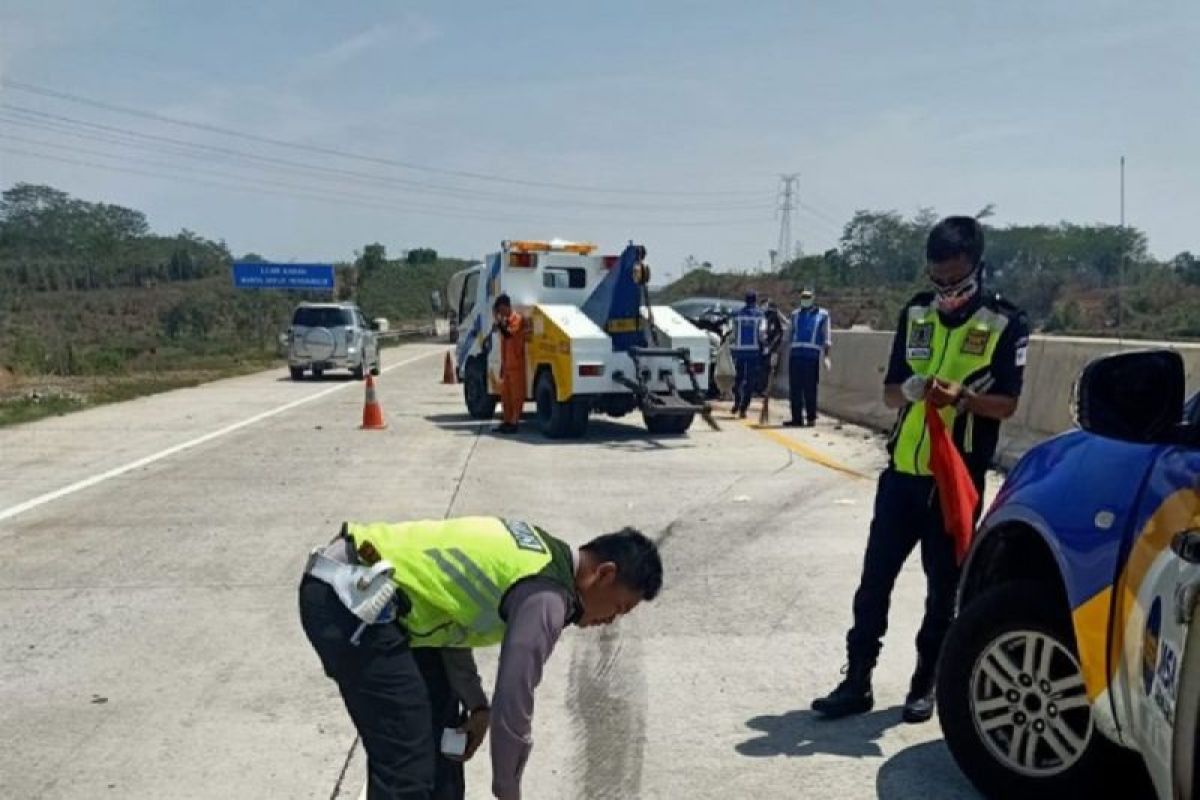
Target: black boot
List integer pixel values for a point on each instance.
(852, 696)
(919, 705)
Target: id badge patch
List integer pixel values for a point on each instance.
(522, 533)
(920, 341)
(976, 342)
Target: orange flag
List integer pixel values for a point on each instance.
(957, 494)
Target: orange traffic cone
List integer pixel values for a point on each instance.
(448, 370)
(372, 411)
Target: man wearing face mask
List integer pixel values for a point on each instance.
(810, 346)
(962, 351)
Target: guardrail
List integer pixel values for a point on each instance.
(853, 389)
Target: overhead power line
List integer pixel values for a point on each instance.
(136, 140)
(41, 91)
(344, 198)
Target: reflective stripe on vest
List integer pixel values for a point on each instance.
(745, 326)
(806, 329)
(952, 354)
(457, 571)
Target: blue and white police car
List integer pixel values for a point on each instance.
(1075, 641)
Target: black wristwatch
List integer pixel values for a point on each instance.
(960, 405)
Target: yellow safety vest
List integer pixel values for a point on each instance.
(953, 354)
(456, 572)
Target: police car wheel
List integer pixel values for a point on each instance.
(1012, 701)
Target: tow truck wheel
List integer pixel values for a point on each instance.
(1012, 701)
(480, 404)
(669, 425)
(556, 419)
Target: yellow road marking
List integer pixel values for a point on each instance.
(807, 452)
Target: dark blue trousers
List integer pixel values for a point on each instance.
(906, 514)
(746, 369)
(803, 376)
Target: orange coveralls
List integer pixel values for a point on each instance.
(512, 368)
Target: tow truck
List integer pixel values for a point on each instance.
(596, 344)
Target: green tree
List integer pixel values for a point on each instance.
(422, 255)
(373, 258)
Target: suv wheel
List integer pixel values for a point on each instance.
(318, 372)
(480, 404)
(359, 372)
(1014, 709)
(297, 373)
(375, 368)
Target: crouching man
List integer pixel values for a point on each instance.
(378, 590)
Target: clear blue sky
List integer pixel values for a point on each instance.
(952, 105)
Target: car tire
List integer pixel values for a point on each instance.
(991, 703)
(377, 367)
(297, 373)
(554, 417)
(480, 404)
(318, 373)
(668, 425)
(359, 372)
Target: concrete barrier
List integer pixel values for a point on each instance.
(853, 389)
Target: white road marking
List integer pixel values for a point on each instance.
(86, 483)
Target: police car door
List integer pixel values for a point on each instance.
(1167, 553)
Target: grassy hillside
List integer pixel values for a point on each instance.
(94, 307)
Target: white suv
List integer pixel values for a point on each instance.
(331, 336)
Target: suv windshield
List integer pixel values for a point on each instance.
(323, 317)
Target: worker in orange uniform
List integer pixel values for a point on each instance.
(511, 326)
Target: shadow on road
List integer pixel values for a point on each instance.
(806, 733)
(329, 377)
(611, 435)
(923, 772)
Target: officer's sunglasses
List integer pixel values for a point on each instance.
(955, 287)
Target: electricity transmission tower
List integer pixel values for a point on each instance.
(787, 204)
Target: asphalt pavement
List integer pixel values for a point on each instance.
(150, 551)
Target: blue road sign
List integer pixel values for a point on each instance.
(300, 277)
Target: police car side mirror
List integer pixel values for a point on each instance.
(1135, 396)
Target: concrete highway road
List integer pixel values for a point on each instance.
(150, 551)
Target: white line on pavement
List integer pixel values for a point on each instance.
(49, 497)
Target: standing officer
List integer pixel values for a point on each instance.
(512, 363)
(962, 351)
(378, 590)
(811, 344)
(749, 328)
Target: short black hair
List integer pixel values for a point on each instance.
(639, 566)
(502, 300)
(954, 237)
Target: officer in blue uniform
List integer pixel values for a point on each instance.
(961, 350)
(810, 345)
(749, 328)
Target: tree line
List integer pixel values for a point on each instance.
(1070, 278)
(88, 288)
